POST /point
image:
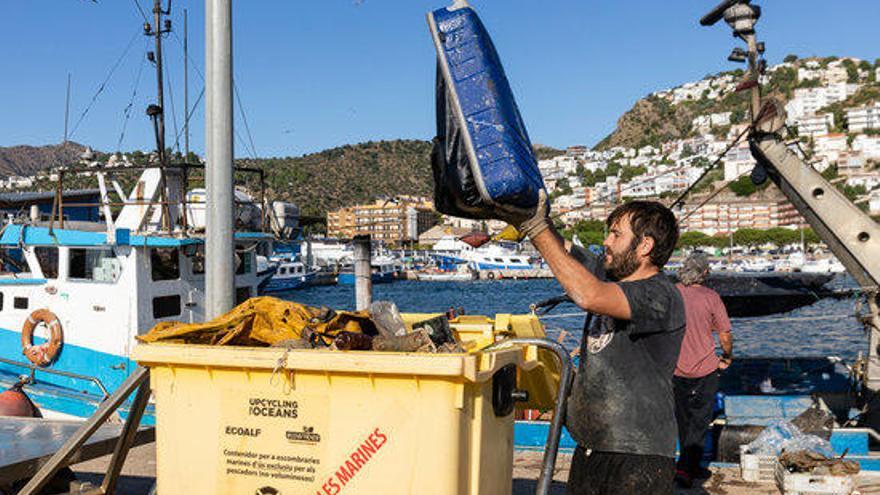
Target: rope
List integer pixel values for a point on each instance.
(104, 84)
(710, 167)
(805, 318)
(170, 86)
(188, 116)
(127, 112)
(244, 119)
(711, 197)
(141, 10)
(563, 315)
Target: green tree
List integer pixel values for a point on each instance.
(790, 58)
(694, 239)
(627, 173)
(749, 237)
(743, 186)
(687, 151)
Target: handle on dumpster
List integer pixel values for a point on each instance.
(545, 480)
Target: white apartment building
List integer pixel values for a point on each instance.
(815, 125)
(704, 123)
(607, 190)
(738, 161)
(808, 74)
(867, 179)
(869, 146)
(830, 146)
(874, 203)
(863, 118)
(850, 163)
(807, 101)
(835, 73)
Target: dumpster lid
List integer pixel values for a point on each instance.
(476, 366)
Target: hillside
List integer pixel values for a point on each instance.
(654, 119)
(28, 160)
(349, 174)
(317, 182)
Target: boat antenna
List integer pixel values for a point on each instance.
(157, 111)
(741, 16)
(67, 109)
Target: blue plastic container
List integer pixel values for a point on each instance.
(496, 145)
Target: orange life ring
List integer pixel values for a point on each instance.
(44, 353)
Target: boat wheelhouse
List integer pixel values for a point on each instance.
(99, 293)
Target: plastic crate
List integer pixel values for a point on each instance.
(756, 468)
(812, 484)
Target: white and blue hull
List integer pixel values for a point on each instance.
(101, 306)
(283, 284)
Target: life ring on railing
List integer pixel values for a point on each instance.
(490, 275)
(44, 353)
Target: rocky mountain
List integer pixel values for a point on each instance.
(28, 160)
(665, 116)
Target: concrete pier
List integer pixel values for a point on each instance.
(139, 474)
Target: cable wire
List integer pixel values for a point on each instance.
(244, 119)
(127, 112)
(141, 10)
(104, 84)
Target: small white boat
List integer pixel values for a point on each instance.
(458, 276)
(823, 265)
(290, 274)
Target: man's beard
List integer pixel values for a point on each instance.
(623, 264)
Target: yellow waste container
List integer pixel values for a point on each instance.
(273, 421)
(541, 380)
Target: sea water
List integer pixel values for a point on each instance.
(825, 328)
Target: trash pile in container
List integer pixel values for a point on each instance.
(268, 321)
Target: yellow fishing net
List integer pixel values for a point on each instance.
(263, 321)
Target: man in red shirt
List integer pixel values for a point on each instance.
(695, 380)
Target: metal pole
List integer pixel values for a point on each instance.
(185, 87)
(551, 449)
(219, 248)
(67, 108)
(363, 283)
(160, 120)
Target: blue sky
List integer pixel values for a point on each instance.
(317, 74)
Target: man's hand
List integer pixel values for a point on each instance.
(538, 222)
(724, 362)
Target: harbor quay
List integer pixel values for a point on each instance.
(139, 476)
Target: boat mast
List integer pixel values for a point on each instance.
(185, 85)
(67, 108)
(157, 111)
(219, 154)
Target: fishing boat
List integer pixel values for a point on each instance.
(383, 269)
(290, 273)
(75, 295)
(450, 252)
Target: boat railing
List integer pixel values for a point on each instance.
(58, 204)
(34, 368)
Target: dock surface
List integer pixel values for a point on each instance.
(139, 474)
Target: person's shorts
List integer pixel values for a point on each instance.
(612, 473)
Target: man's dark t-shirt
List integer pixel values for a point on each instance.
(622, 397)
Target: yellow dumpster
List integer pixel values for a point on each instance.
(243, 420)
(541, 380)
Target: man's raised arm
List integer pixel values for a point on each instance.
(588, 292)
